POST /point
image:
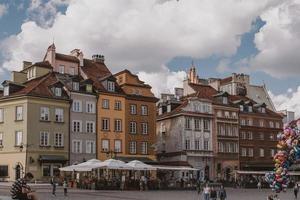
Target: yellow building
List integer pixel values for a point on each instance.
(34, 124)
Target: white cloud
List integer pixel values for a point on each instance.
(3, 9)
(278, 41)
(164, 81)
(223, 66)
(287, 101)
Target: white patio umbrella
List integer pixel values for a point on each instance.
(82, 167)
(112, 164)
(138, 165)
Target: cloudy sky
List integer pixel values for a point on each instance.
(159, 39)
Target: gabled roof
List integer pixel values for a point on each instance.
(65, 57)
(43, 64)
(203, 91)
(226, 80)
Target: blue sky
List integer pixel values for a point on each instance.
(17, 14)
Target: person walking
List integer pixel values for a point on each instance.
(53, 183)
(65, 186)
(213, 194)
(296, 190)
(206, 192)
(259, 185)
(222, 193)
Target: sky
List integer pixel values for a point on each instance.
(160, 39)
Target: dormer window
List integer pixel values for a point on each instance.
(57, 91)
(225, 100)
(6, 91)
(263, 109)
(110, 86)
(241, 108)
(61, 69)
(250, 109)
(75, 86)
(89, 88)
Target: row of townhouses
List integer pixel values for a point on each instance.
(67, 109)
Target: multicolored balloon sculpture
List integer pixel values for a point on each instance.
(288, 153)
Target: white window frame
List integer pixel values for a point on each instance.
(6, 91)
(105, 145)
(105, 124)
(118, 105)
(144, 110)
(44, 113)
(118, 146)
(1, 115)
(19, 113)
(132, 147)
(208, 125)
(250, 152)
(44, 139)
(77, 147)
(90, 127)
(77, 106)
(90, 147)
(59, 115)
(90, 107)
(72, 71)
(105, 103)
(61, 69)
(187, 144)
(75, 85)
(118, 125)
(244, 152)
(132, 127)
(58, 139)
(57, 91)
(133, 109)
(145, 128)
(187, 124)
(197, 124)
(261, 152)
(75, 127)
(1, 139)
(110, 86)
(144, 148)
(205, 144)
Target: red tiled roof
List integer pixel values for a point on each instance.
(65, 57)
(203, 91)
(44, 64)
(226, 80)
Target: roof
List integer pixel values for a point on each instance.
(226, 80)
(65, 57)
(142, 159)
(203, 91)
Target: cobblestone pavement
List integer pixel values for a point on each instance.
(233, 194)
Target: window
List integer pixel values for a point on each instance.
(205, 145)
(77, 126)
(272, 152)
(105, 145)
(187, 123)
(261, 123)
(206, 108)
(277, 125)
(59, 115)
(90, 107)
(90, 127)
(58, 140)
(77, 106)
(225, 100)
(241, 108)
(221, 147)
(263, 110)
(75, 86)
(243, 135)
(110, 86)
(1, 115)
(118, 125)
(197, 124)
(261, 152)
(197, 144)
(187, 144)
(261, 136)
(248, 122)
(244, 152)
(57, 91)
(118, 146)
(132, 147)
(243, 122)
(227, 115)
(271, 124)
(3, 171)
(132, 127)
(61, 69)
(44, 115)
(144, 148)
(46, 170)
(1, 139)
(90, 147)
(118, 105)
(219, 113)
(44, 139)
(144, 128)
(206, 125)
(234, 115)
(144, 110)
(72, 71)
(6, 91)
(250, 152)
(250, 109)
(105, 124)
(18, 138)
(105, 103)
(19, 113)
(250, 135)
(77, 146)
(272, 137)
(133, 109)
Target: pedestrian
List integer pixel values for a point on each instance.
(259, 185)
(53, 183)
(123, 180)
(213, 194)
(20, 190)
(65, 186)
(222, 193)
(142, 183)
(296, 190)
(199, 186)
(206, 192)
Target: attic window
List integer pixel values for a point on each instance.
(75, 86)
(6, 91)
(225, 100)
(241, 108)
(263, 109)
(89, 88)
(110, 86)
(250, 109)
(57, 91)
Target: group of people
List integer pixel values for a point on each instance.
(210, 193)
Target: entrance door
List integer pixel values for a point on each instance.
(18, 171)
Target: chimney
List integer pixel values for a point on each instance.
(26, 64)
(50, 55)
(78, 54)
(98, 58)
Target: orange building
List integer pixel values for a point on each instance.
(140, 118)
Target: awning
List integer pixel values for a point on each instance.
(264, 172)
(142, 159)
(180, 168)
(52, 159)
